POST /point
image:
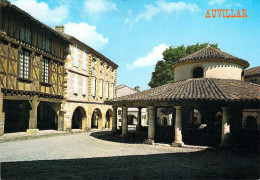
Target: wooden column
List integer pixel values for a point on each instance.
(33, 116)
(139, 119)
(151, 126)
(225, 128)
(125, 123)
(178, 128)
(2, 114)
(114, 120)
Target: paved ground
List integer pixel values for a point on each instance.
(84, 156)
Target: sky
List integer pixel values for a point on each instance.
(134, 33)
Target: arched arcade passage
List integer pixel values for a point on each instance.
(79, 118)
(109, 116)
(96, 119)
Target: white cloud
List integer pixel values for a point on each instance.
(42, 11)
(150, 59)
(165, 7)
(87, 34)
(96, 7)
(216, 2)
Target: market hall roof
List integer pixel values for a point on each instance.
(210, 54)
(252, 71)
(197, 89)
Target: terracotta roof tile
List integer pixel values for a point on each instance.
(198, 89)
(210, 53)
(252, 71)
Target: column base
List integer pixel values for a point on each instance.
(123, 135)
(32, 131)
(149, 141)
(177, 144)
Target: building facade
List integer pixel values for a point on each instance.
(253, 75)
(32, 58)
(90, 78)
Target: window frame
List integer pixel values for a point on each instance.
(46, 37)
(27, 32)
(45, 69)
(23, 76)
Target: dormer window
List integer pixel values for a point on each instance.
(198, 73)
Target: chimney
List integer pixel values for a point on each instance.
(137, 88)
(60, 28)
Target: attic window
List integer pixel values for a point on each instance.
(197, 72)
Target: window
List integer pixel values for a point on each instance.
(45, 70)
(198, 73)
(93, 84)
(24, 64)
(84, 86)
(100, 75)
(75, 84)
(100, 88)
(253, 81)
(93, 70)
(25, 33)
(112, 91)
(76, 56)
(46, 42)
(107, 90)
(84, 64)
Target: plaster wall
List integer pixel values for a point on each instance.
(211, 70)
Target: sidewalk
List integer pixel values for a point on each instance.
(20, 136)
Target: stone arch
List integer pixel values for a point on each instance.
(197, 72)
(46, 117)
(109, 116)
(96, 119)
(79, 118)
(251, 123)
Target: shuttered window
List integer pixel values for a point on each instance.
(84, 86)
(75, 84)
(45, 70)
(112, 91)
(24, 64)
(107, 90)
(101, 88)
(84, 63)
(76, 56)
(93, 86)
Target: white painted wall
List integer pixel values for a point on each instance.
(212, 70)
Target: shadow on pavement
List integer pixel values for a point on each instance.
(202, 164)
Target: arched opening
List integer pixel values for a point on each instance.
(96, 119)
(109, 116)
(79, 116)
(250, 123)
(16, 116)
(198, 73)
(251, 132)
(158, 120)
(46, 117)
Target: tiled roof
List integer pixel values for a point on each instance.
(210, 53)
(198, 89)
(252, 71)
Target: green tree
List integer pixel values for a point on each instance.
(163, 73)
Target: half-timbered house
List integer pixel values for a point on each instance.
(31, 72)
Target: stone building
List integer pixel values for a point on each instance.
(90, 78)
(208, 81)
(32, 58)
(123, 90)
(253, 75)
